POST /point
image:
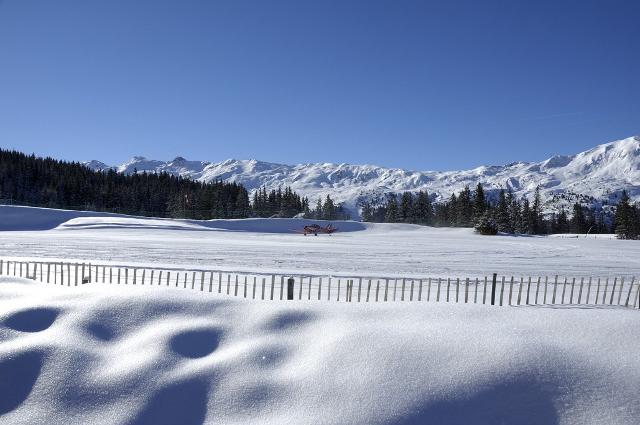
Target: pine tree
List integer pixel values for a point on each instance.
(479, 202)
(502, 214)
(578, 222)
(536, 213)
(406, 207)
(328, 209)
(392, 214)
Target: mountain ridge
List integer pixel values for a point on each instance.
(595, 176)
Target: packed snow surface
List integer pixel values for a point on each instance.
(601, 173)
(104, 354)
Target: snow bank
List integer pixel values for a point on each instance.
(19, 218)
(148, 355)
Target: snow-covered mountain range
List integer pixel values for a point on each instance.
(596, 176)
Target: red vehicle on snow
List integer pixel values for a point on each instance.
(316, 228)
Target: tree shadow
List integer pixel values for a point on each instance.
(523, 402)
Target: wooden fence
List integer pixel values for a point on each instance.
(491, 290)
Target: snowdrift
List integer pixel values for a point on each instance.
(152, 356)
(19, 218)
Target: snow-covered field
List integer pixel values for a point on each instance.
(272, 246)
(105, 354)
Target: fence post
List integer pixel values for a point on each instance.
(428, 289)
(360, 287)
(493, 288)
(438, 291)
(510, 290)
(395, 287)
(386, 288)
(626, 303)
(537, 290)
(244, 295)
(589, 290)
(484, 291)
(613, 289)
(580, 291)
(255, 283)
(309, 289)
(338, 298)
(211, 282)
(520, 289)
(457, 288)
(319, 288)
(329, 289)
(573, 284)
(620, 291)
(273, 284)
(281, 287)
(411, 293)
(202, 281)
(264, 279)
(300, 291)
(420, 290)
(604, 294)
(290, 283)
(235, 288)
(448, 287)
(564, 290)
(466, 290)
(528, 289)
(475, 293)
(404, 281)
(555, 288)
(377, 289)
(219, 282)
(369, 289)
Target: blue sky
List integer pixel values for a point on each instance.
(413, 84)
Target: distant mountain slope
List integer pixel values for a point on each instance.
(593, 176)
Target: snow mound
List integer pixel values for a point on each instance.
(146, 355)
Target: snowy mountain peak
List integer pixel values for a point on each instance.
(598, 174)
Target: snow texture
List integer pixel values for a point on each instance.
(150, 355)
(99, 354)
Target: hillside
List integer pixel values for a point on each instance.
(593, 176)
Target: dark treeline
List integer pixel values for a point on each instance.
(46, 182)
(507, 214)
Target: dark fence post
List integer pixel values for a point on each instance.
(493, 289)
(290, 283)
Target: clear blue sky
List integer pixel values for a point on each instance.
(414, 84)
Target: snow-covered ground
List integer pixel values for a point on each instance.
(154, 355)
(380, 250)
(96, 354)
